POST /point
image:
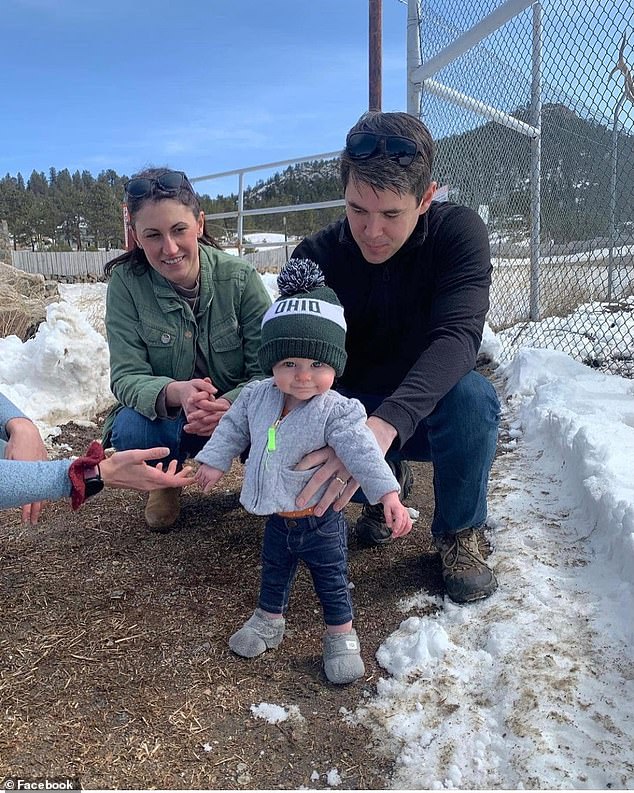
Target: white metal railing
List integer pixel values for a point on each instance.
(240, 213)
(92, 262)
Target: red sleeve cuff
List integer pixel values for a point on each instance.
(94, 455)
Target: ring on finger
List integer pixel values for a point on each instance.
(341, 481)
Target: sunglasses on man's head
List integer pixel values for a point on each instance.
(366, 145)
(166, 182)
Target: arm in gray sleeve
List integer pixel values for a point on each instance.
(8, 411)
(357, 448)
(24, 482)
(231, 437)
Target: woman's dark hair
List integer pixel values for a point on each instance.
(135, 258)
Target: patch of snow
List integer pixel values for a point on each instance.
(275, 714)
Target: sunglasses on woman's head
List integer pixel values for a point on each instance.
(366, 145)
(166, 182)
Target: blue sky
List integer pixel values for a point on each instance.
(199, 85)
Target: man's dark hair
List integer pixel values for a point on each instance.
(383, 173)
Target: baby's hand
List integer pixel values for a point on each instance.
(207, 477)
(396, 515)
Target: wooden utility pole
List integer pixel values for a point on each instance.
(375, 54)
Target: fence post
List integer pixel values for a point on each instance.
(613, 182)
(536, 166)
(240, 210)
(375, 56)
(413, 57)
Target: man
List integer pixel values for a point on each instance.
(413, 277)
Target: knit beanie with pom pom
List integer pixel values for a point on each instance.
(306, 321)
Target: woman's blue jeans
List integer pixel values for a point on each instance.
(459, 437)
(319, 542)
(131, 430)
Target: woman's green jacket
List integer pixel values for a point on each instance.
(154, 337)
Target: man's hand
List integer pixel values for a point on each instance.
(25, 443)
(342, 487)
(383, 432)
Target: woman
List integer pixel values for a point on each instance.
(183, 322)
(27, 477)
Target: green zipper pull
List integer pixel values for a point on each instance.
(271, 443)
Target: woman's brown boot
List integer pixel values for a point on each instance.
(163, 508)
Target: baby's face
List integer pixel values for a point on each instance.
(303, 378)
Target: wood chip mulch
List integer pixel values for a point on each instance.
(114, 664)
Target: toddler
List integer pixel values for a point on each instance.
(282, 419)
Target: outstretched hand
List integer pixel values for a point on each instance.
(129, 469)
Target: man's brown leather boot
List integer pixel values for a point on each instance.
(163, 508)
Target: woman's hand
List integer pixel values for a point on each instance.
(129, 470)
(202, 410)
(25, 443)
(190, 394)
(205, 420)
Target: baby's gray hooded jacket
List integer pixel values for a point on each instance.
(271, 483)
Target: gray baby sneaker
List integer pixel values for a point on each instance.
(342, 657)
(257, 635)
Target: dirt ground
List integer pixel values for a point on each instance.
(114, 663)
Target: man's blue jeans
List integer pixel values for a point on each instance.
(322, 544)
(459, 437)
(131, 430)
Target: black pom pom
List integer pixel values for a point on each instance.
(299, 275)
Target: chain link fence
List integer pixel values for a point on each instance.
(559, 207)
